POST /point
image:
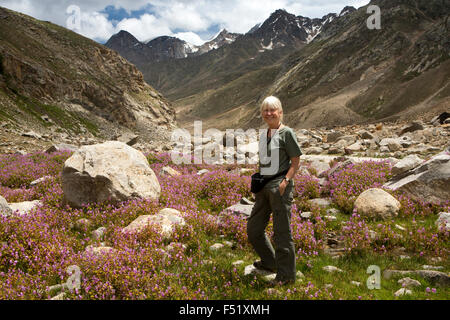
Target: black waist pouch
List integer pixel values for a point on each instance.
(258, 181)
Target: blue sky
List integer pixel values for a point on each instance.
(195, 21)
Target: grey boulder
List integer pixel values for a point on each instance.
(428, 182)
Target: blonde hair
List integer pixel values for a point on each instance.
(272, 102)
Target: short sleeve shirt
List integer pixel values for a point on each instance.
(275, 153)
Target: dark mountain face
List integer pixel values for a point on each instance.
(158, 49)
(163, 48)
(225, 57)
(281, 29)
(347, 10)
(223, 38)
(123, 39)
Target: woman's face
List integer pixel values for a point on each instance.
(272, 116)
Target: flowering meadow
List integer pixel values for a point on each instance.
(37, 249)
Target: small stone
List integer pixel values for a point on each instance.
(99, 250)
(128, 138)
(334, 136)
(365, 135)
(328, 286)
(56, 288)
(399, 227)
(40, 180)
(216, 246)
(403, 257)
(330, 218)
(332, 269)
(82, 224)
(168, 172)
(300, 275)
(436, 259)
(408, 282)
(313, 150)
(356, 283)
(251, 269)
(320, 202)
(60, 296)
(273, 292)
(239, 209)
(333, 211)
(428, 267)
(202, 172)
(238, 262)
(373, 235)
(402, 292)
(99, 233)
(31, 134)
(228, 243)
(270, 277)
(306, 215)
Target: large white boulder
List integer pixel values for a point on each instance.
(110, 171)
(377, 203)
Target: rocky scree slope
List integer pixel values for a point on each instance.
(56, 82)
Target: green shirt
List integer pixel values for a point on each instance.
(284, 144)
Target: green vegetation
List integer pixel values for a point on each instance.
(66, 119)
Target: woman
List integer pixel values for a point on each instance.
(276, 196)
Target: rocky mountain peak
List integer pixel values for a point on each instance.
(279, 30)
(255, 27)
(222, 38)
(280, 18)
(347, 10)
(122, 39)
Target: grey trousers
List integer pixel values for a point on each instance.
(269, 200)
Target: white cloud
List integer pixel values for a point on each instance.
(174, 17)
(96, 26)
(184, 16)
(144, 28)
